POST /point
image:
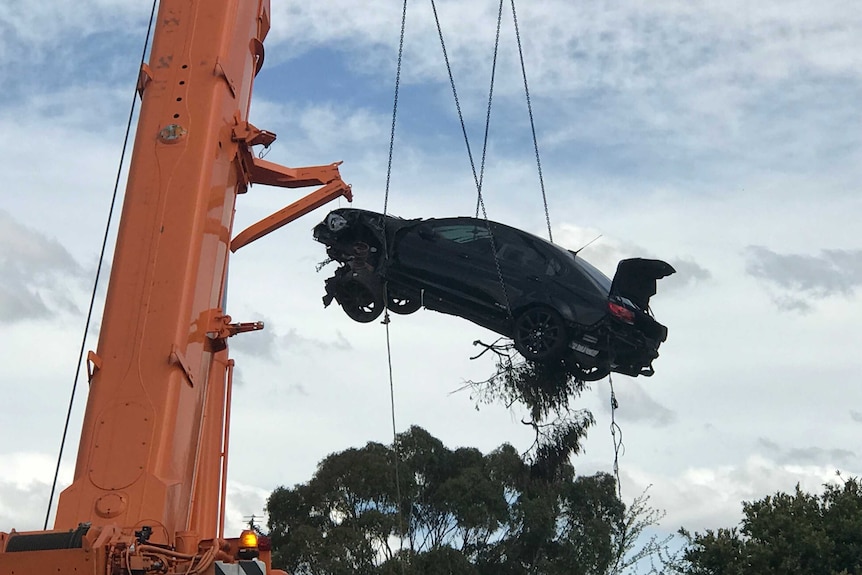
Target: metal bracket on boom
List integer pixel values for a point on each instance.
(220, 71)
(94, 364)
(286, 215)
(258, 171)
(179, 358)
(145, 76)
(220, 327)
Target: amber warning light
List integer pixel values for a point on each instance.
(248, 545)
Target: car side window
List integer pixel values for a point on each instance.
(462, 233)
(520, 256)
(522, 253)
(511, 253)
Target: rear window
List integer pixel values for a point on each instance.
(593, 273)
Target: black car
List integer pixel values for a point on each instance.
(550, 301)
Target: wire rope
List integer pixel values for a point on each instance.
(488, 112)
(395, 447)
(394, 113)
(99, 266)
(480, 202)
(478, 179)
(618, 441)
(455, 93)
(532, 122)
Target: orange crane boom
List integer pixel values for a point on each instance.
(148, 489)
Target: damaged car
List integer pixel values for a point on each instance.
(553, 304)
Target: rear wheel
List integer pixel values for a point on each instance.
(402, 302)
(588, 374)
(540, 334)
(361, 297)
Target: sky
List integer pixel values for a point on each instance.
(724, 138)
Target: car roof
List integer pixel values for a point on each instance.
(595, 275)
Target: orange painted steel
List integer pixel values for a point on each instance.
(225, 448)
(154, 442)
(311, 202)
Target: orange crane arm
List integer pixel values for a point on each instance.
(149, 472)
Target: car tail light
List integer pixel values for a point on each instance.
(621, 312)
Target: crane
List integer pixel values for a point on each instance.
(148, 492)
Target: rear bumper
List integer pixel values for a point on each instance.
(633, 348)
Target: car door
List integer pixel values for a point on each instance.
(452, 260)
(538, 272)
(527, 268)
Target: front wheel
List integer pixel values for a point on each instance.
(540, 334)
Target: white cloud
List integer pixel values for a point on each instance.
(801, 278)
(33, 271)
(42, 33)
(711, 497)
(25, 488)
(244, 502)
(680, 131)
(634, 404)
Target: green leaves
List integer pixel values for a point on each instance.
(453, 511)
(545, 390)
(797, 533)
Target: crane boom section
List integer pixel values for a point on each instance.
(151, 440)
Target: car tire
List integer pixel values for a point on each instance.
(591, 374)
(403, 305)
(540, 334)
(360, 296)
